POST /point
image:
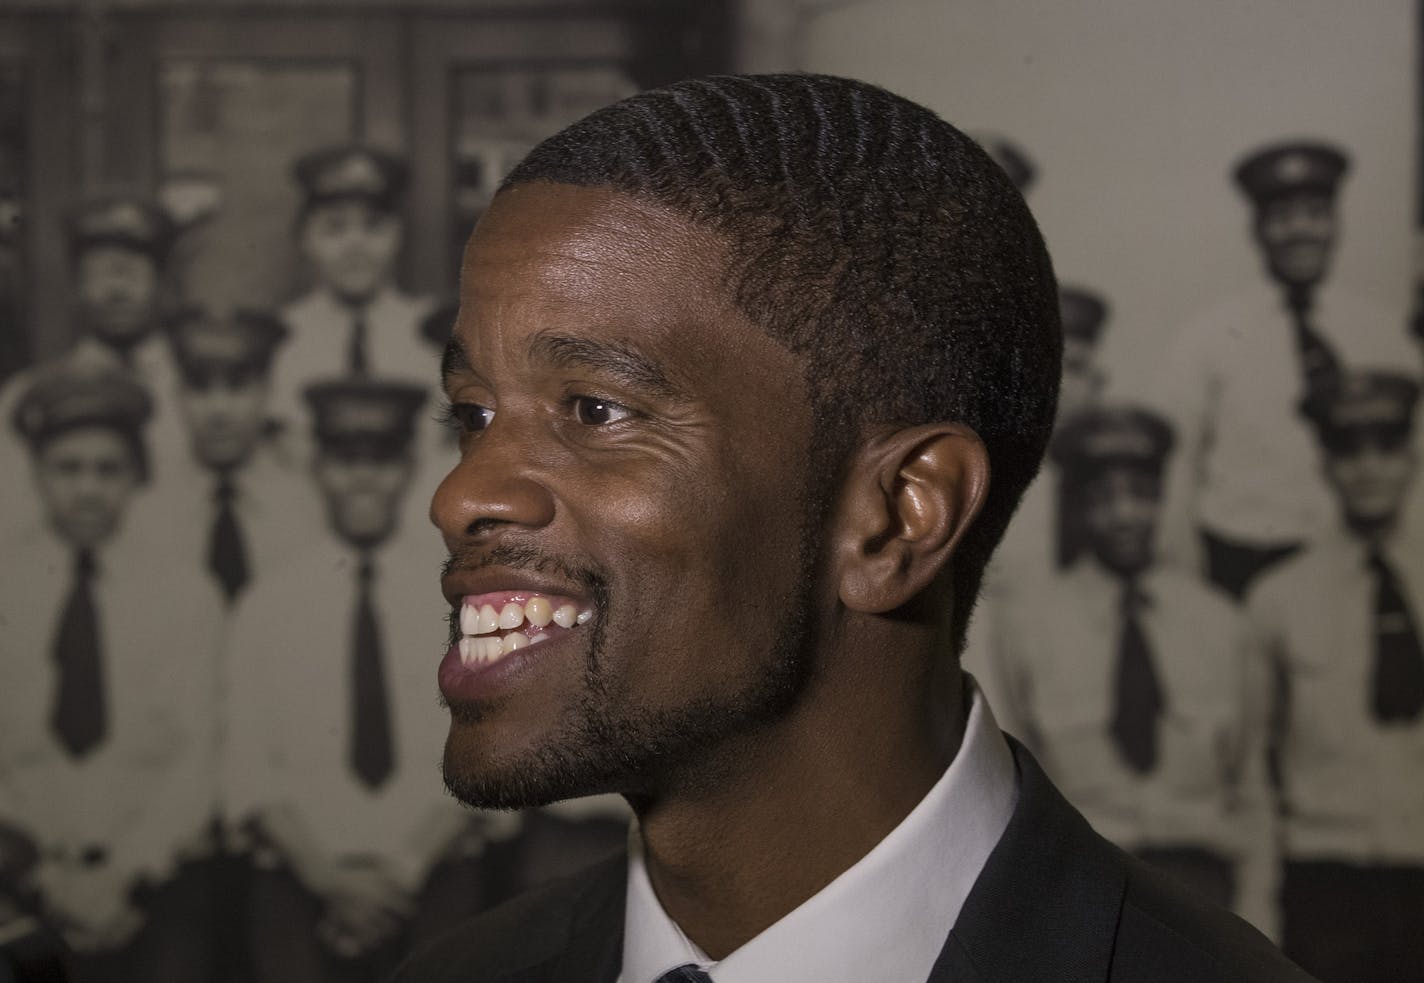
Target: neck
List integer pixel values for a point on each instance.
(355, 302)
(1374, 533)
(122, 345)
(784, 812)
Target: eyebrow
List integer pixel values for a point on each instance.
(453, 360)
(619, 360)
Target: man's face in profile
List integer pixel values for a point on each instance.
(1297, 235)
(86, 477)
(634, 449)
(117, 287)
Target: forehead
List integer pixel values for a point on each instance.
(321, 215)
(589, 260)
(1120, 475)
(112, 255)
(91, 442)
(1298, 201)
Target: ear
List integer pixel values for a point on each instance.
(908, 498)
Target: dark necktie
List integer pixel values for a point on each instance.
(372, 754)
(1138, 694)
(79, 717)
(1398, 690)
(357, 362)
(227, 548)
(1319, 365)
(684, 974)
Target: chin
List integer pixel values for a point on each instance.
(537, 777)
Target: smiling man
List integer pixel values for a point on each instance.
(734, 365)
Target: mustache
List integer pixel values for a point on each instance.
(519, 556)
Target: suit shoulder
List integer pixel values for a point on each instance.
(513, 936)
(1167, 934)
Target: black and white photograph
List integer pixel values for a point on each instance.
(953, 466)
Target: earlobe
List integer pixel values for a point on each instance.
(909, 497)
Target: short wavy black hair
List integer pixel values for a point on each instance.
(869, 237)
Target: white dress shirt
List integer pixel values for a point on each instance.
(278, 508)
(885, 918)
(1352, 786)
(318, 346)
(289, 705)
(142, 798)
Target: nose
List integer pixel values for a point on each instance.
(494, 486)
(1131, 511)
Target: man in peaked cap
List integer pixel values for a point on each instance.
(228, 505)
(354, 319)
(1130, 679)
(333, 760)
(1292, 188)
(118, 248)
(1247, 489)
(1341, 624)
(105, 741)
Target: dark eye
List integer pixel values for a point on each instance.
(594, 412)
(468, 417)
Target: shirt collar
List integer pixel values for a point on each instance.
(888, 916)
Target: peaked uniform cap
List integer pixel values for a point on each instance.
(1082, 313)
(121, 220)
(242, 340)
(1294, 167)
(369, 411)
(71, 393)
(351, 172)
(1364, 399)
(1106, 435)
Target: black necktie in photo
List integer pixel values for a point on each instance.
(79, 716)
(1319, 364)
(372, 752)
(684, 974)
(1398, 683)
(227, 548)
(1137, 692)
(357, 362)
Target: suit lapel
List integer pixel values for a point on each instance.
(590, 947)
(1046, 904)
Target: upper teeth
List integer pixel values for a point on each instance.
(482, 620)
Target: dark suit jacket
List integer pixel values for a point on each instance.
(1054, 902)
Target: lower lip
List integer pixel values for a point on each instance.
(482, 682)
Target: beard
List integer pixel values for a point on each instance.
(603, 745)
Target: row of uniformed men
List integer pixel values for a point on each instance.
(194, 625)
(1269, 754)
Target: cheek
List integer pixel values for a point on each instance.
(707, 563)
